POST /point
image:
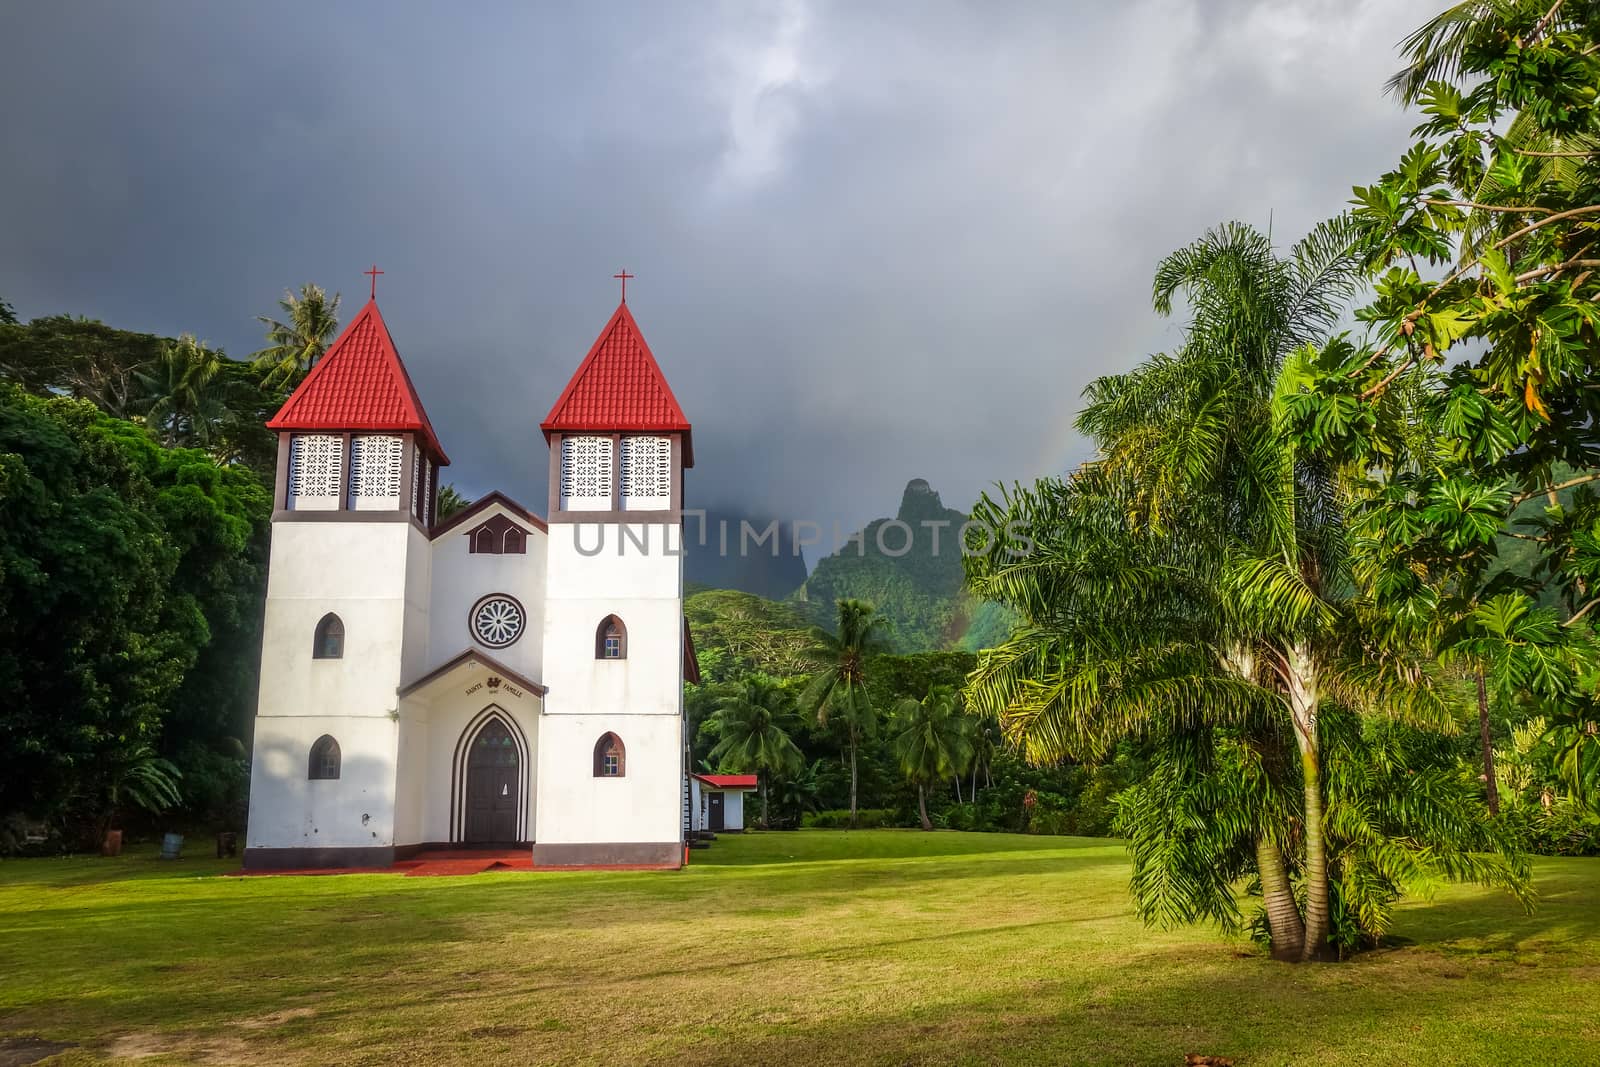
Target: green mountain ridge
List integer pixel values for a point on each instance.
(910, 568)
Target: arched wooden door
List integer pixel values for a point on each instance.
(494, 786)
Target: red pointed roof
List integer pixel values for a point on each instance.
(359, 384)
(619, 388)
(729, 781)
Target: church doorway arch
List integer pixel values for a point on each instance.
(492, 775)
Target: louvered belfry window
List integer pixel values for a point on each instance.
(375, 464)
(646, 473)
(316, 471)
(416, 481)
(586, 473)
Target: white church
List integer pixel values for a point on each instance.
(494, 679)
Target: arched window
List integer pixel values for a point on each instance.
(514, 542)
(485, 541)
(324, 759)
(329, 643)
(611, 639)
(610, 759)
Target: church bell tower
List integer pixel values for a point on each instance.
(614, 630)
(347, 603)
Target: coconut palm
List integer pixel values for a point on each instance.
(838, 688)
(450, 501)
(750, 722)
(310, 321)
(933, 742)
(185, 394)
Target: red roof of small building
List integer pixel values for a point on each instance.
(359, 384)
(619, 388)
(729, 781)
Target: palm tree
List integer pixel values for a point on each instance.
(450, 501)
(753, 738)
(839, 687)
(185, 394)
(1517, 651)
(310, 321)
(933, 742)
(1193, 588)
(1200, 427)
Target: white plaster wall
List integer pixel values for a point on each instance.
(287, 810)
(416, 658)
(643, 587)
(414, 801)
(732, 810)
(639, 698)
(358, 570)
(460, 578)
(642, 806)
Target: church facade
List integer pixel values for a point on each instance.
(491, 679)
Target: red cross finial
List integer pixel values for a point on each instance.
(374, 272)
(624, 276)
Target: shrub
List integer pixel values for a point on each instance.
(839, 818)
(1564, 829)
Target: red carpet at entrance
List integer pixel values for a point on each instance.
(445, 862)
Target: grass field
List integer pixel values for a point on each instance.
(818, 947)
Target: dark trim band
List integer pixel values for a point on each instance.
(292, 859)
(609, 854)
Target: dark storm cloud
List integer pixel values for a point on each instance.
(872, 242)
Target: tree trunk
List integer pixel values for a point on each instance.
(1283, 914)
(958, 788)
(1303, 699)
(764, 824)
(852, 780)
(1488, 747)
(922, 806)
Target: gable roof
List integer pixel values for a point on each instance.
(619, 387)
(483, 659)
(359, 384)
(729, 781)
(482, 504)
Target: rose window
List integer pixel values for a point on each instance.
(497, 621)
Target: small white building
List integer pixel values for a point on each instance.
(496, 678)
(717, 800)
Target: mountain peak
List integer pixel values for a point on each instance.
(920, 501)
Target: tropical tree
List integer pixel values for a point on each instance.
(933, 742)
(1518, 653)
(296, 341)
(1200, 428)
(838, 688)
(753, 738)
(137, 777)
(185, 394)
(1484, 309)
(1194, 589)
(450, 501)
(795, 794)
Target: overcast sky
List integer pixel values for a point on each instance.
(872, 241)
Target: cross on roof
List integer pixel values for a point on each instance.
(374, 272)
(624, 275)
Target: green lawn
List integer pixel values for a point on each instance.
(818, 947)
